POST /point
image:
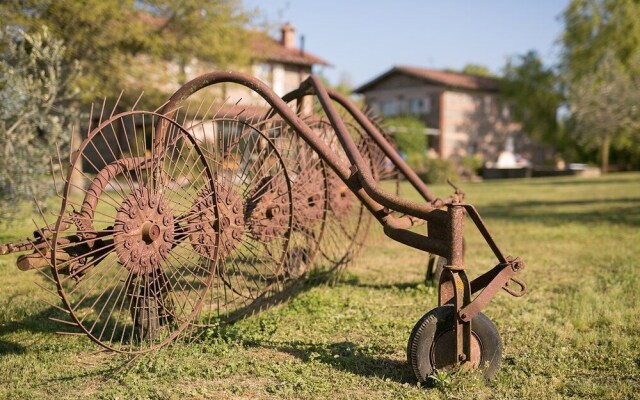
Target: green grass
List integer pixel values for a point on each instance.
(576, 334)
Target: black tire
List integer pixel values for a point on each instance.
(430, 345)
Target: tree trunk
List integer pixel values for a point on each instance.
(604, 153)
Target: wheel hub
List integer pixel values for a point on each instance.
(309, 198)
(203, 226)
(144, 229)
(444, 351)
(340, 197)
(267, 209)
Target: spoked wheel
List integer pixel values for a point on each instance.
(347, 220)
(308, 174)
(120, 255)
(432, 344)
(310, 194)
(256, 213)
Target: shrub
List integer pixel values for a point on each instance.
(36, 92)
(408, 134)
(471, 165)
(432, 170)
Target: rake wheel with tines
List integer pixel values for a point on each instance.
(119, 252)
(182, 224)
(257, 217)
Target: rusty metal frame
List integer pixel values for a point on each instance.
(445, 228)
(396, 215)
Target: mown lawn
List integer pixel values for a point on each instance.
(576, 334)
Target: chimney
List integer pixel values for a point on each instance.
(288, 36)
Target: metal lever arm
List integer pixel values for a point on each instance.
(497, 279)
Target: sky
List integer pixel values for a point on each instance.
(363, 39)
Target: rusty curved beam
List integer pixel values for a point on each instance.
(356, 176)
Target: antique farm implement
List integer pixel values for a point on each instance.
(180, 219)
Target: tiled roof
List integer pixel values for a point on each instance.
(265, 47)
(456, 80)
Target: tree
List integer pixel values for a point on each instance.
(408, 134)
(596, 27)
(479, 70)
(534, 92)
(105, 35)
(606, 107)
(600, 65)
(37, 92)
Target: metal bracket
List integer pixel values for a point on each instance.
(502, 274)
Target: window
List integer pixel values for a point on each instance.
(263, 72)
(374, 106)
(488, 104)
(420, 105)
(389, 107)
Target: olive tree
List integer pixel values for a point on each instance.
(37, 94)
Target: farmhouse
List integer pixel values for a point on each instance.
(463, 113)
(280, 63)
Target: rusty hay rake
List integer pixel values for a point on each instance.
(185, 218)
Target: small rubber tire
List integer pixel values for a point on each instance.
(429, 331)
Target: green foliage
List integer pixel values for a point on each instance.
(595, 27)
(479, 70)
(607, 108)
(106, 35)
(408, 134)
(437, 170)
(37, 93)
(534, 92)
(600, 64)
(432, 170)
(472, 165)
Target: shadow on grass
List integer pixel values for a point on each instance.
(35, 323)
(624, 211)
(388, 286)
(345, 356)
(349, 357)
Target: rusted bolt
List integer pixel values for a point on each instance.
(273, 211)
(462, 357)
(133, 212)
(162, 207)
(128, 243)
(238, 220)
(236, 209)
(167, 236)
(166, 220)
